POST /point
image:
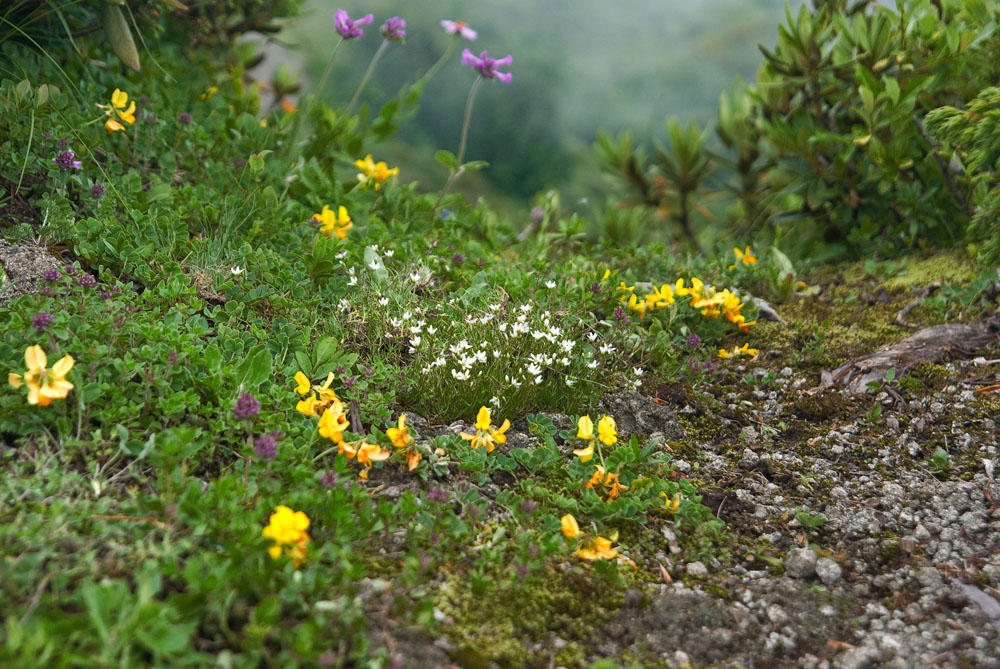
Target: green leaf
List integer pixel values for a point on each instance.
(255, 368)
(326, 352)
(447, 158)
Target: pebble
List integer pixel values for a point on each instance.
(697, 569)
(828, 571)
(801, 563)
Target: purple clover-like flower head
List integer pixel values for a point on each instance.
(459, 28)
(348, 28)
(438, 495)
(239, 163)
(487, 67)
(458, 258)
(51, 275)
(71, 270)
(66, 161)
(41, 321)
(184, 118)
(620, 315)
(329, 478)
(693, 340)
(246, 407)
(265, 446)
(63, 142)
(394, 29)
(97, 191)
(86, 281)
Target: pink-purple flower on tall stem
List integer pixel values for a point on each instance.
(66, 161)
(487, 67)
(348, 28)
(460, 28)
(394, 29)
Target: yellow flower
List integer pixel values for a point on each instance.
(606, 430)
(672, 504)
(400, 435)
(119, 100)
(413, 459)
(723, 353)
(585, 453)
(585, 428)
(209, 94)
(485, 434)
(739, 350)
(307, 406)
(695, 290)
(597, 478)
(334, 224)
(374, 173)
(368, 453)
(597, 548)
(333, 422)
(616, 487)
(44, 385)
(326, 394)
(607, 273)
(635, 305)
(746, 350)
(570, 528)
(288, 530)
(303, 383)
(745, 257)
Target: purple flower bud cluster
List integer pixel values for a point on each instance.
(438, 495)
(394, 29)
(97, 191)
(86, 281)
(184, 118)
(266, 446)
(66, 161)
(348, 28)
(329, 478)
(246, 407)
(693, 340)
(42, 320)
(51, 275)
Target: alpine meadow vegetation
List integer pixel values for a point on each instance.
(270, 402)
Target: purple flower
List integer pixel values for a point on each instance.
(459, 28)
(595, 289)
(41, 321)
(693, 340)
(329, 478)
(66, 161)
(246, 407)
(527, 507)
(63, 142)
(487, 67)
(184, 118)
(620, 315)
(97, 191)
(458, 258)
(349, 381)
(437, 495)
(239, 163)
(537, 215)
(46, 134)
(86, 281)
(51, 275)
(346, 27)
(71, 270)
(265, 446)
(394, 29)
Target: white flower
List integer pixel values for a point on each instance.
(431, 330)
(341, 255)
(373, 264)
(496, 353)
(493, 307)
(567, 345)
(374, 247)
(439, 361)
(344, 305)
(538, 380)
(460, 376)
(533, 369)
(237, 270)
(592, 364)
(526, 308)
(637, 371)
(480, 356)
(564, 361)
(592, 336)
(353, 281)
(550, 284)
(389, 253)
(415, 329)
(495, 402)
(607, 348)
(384, 301)
(569, 382)
(415, 276)
(415, 342)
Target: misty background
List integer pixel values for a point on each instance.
(579, 66)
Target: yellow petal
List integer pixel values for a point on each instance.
(14, 380)
(34, 358)
(585, 454)
(303, 383)
(62, 367)
(570, 528)
(482, 419)
(585, 428)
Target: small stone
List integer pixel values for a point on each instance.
(786, 372)
(928, 577)
(828, 571)
(801, 563)
(697, 569)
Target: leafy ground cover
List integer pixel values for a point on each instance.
(268, 404)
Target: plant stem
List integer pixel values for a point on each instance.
(468, 116)
(368, 74)
(312, 100)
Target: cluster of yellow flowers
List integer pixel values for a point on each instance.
(738, 351)
(486, 435)
(333, 421)
(403, 442)
(591, 547)
(117, 108)
(288, 530)
(607, 434)
(44, 385)
(707, 299)
(334, 223)
(374, 174)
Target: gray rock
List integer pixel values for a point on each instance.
(635, 413)
(697, 569)
(828, 571)
(21, 268)
(928, 577)
(801, 563)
